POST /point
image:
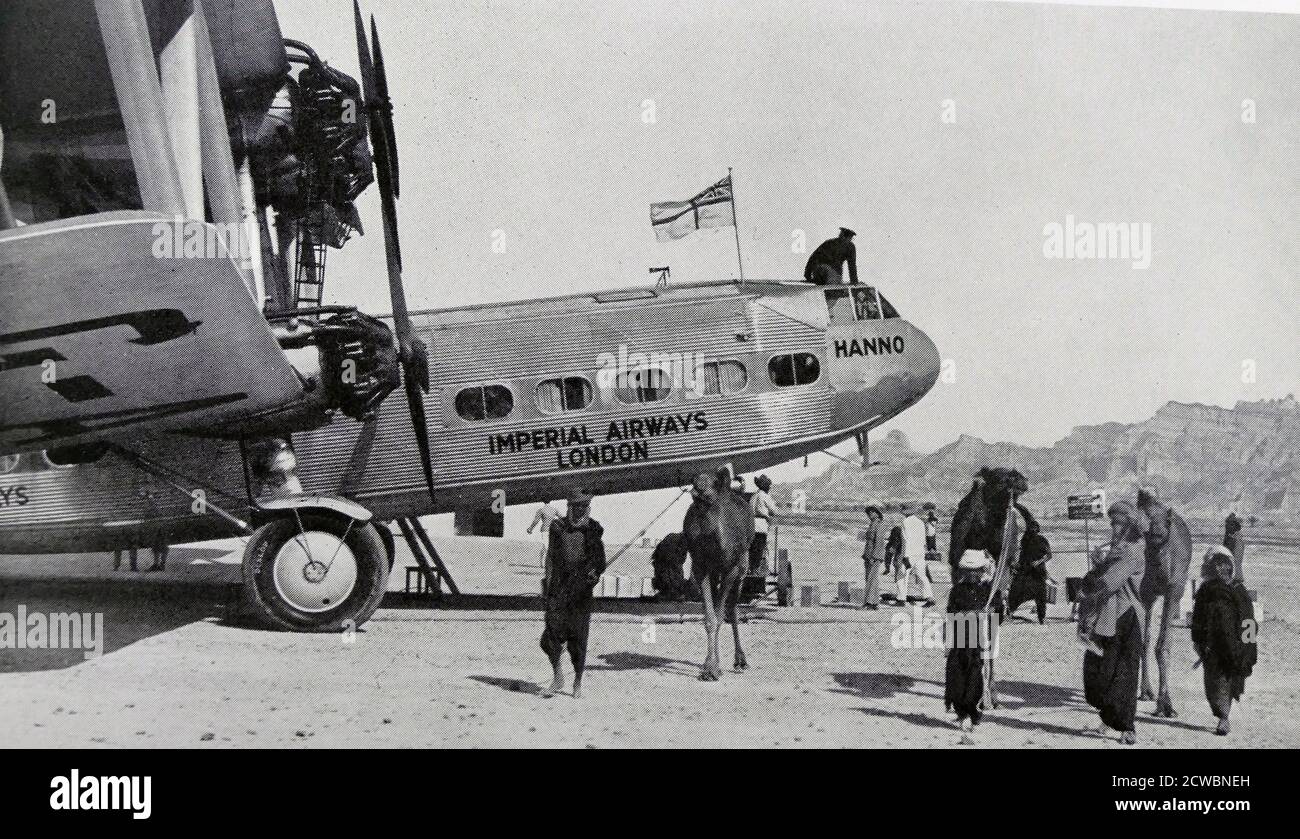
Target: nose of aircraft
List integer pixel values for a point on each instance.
(926, 365)
(879, 368)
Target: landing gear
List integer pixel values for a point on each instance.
(315, 570)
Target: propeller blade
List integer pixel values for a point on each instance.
(386, 106)
(415, 401)
(388, 206)
(413, 353)
(363, 54)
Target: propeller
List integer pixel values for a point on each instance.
(412, 352)
(386, 106)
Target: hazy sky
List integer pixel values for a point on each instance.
(531, 119)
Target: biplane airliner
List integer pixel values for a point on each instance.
(168, 373)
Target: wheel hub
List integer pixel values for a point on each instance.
(315, 571)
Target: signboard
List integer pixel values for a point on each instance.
(1091, 506)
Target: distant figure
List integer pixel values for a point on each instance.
(873, 556)
(1110, 669)
(913, 557)
(931, 539)
(575, 559)
(669, 561)
(764, 509)
(825, 265)
(545, 517)
(135, 558)
(1223, 633)
(894, 551)
(969, 634)
(160, 550)
(864, 304)
(1235, 541)
(1030, 582)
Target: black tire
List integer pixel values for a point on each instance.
(269, 607)
(390, 544)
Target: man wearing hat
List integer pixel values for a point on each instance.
(1223, 633)
(1112, 660)
(873, 555)
(827, 261)
(913, 557)
(970, 635)
(575, 559)
(764, 509)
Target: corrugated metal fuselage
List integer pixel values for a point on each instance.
(867, 372)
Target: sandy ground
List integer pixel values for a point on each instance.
(176, 672)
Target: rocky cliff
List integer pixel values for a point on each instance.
(1206, 460)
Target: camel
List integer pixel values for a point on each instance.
(1169, 556)
(981, 523)
(718, 528)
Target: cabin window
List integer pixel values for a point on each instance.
(8, 463)
(799, 368)
(476, 404)
(724, 377)
(643, 384)
(558, 396)
(74, 455)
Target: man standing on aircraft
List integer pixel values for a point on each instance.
(545, 516)
(827, 261)
(575, 559)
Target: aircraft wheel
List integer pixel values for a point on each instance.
(390, 544)
(327, 576)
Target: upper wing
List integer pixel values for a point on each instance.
(108, 328)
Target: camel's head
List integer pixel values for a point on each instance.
(705, 488)
(1001, 483)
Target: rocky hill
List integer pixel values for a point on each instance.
(1205, 459)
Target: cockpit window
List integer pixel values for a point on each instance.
(888, 310)
(865, 306)
(853, 303)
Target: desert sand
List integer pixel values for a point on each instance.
(177, 671)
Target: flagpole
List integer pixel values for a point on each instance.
(736, 224)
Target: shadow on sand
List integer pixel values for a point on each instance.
(512, 685)
(132, 610)
(641, 661)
